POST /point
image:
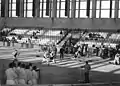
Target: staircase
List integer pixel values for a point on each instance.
(65, 37)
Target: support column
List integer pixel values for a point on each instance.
(73, 8)
(79, 9)
(100, 8)
(94, 8)
(6, 8)
(21, 8)
(50, 9)
(116, 9)
(38, 8)
(54, 8)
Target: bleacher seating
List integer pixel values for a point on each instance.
(115, 36)
(31, 32)
(10, 37)
(19, 31)
(53, 33)
(23, 40)
(40, 32)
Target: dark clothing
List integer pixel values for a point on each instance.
(62, 53)
(87, 68)
(86, 74)
(61, 50)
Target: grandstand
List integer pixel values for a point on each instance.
(89, 28)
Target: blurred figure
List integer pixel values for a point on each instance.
(31, 65)
(46, 57)
(22, 75)
(18, 68)
(28, 75)
(16, 53)
(87, 69)
(55, 50)
(11, 75)
(52, 56)
(34, 75)
(62, 53)
(117, 59)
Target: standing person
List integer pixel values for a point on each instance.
(52, 56)
(117, 59)
(22, 75)
(18, 68)
(28, 75)
(13, 41)
(61, 53)
(16, 53)
(34, 75)
(87, 69)
(46, 57)
(31, 65)
(11, 75)
(55, 50)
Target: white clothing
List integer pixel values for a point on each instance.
(10, 82)
(11, 76)
(34, 77)
(28, 75)
(21, 76)
(22, 82)
(117, 59)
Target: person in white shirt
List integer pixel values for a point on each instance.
(18, 69)
(117, 59)
(11, 75)
(22, 75)
(16, 53)
(46, 57)
(34, 75)
(28, 75)
(52, 56)
(31, 66)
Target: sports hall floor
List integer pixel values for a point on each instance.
(63, 72)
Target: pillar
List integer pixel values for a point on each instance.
(94, 8)
(116, 8)
(73, 8)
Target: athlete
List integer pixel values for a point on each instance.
(16, 53)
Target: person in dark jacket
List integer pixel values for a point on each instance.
(87, 69)
(61, 53)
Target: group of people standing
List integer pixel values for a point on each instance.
(50, 53)
(20, 74)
